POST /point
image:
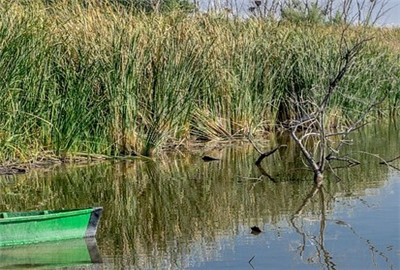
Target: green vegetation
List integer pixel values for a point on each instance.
(102, 78)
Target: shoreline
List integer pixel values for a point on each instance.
(48, 161)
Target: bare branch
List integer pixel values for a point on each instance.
(348, 58)
(349, 160)
(388, 161)
(334, 173)
(311, 134)
(382, 160)
(305, 152)
(356, 125)
(346, 132)
(266, 154)
(264, 172)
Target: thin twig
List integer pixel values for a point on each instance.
(334, 173)
(382, 160)
(263, 172)
(388, 161)
(349, 160)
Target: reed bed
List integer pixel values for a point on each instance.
(99, 78)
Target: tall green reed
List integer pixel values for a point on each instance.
(102, 79)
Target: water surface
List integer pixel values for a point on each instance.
(179, 212)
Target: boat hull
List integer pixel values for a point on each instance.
(34, 227)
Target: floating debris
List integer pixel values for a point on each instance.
(255, 230)
(208, 158)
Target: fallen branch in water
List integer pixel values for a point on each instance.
(263, 172)
(266, 154)
(388, 161)
(263, 154)
(384, 162)
(351, 161)
(393, 167)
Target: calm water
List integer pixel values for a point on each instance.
(180, 212)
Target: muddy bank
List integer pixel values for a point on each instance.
(47, 161)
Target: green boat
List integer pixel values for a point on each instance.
(42, 226)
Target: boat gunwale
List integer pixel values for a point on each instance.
(52, 215)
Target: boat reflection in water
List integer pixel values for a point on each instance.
(67, 253)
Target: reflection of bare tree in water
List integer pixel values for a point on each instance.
(322, 255)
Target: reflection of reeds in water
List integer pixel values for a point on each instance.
(172, 207)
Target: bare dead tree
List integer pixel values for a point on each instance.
(312, 126)
(318, 144)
